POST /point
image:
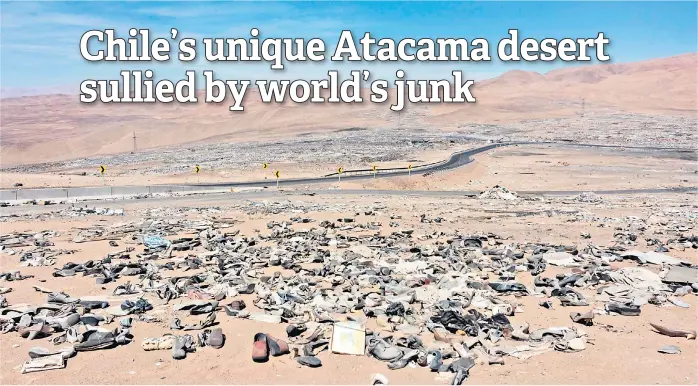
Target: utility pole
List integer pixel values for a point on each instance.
(134, 142)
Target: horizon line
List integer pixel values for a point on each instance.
(33, 92)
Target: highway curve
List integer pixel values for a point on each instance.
(456, 160)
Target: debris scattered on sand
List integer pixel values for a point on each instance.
(441, 299)
(671, 349)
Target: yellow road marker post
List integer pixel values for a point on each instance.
(339, 174)
(277, 173)
(102, 169)
(409, 170)
(198, 169)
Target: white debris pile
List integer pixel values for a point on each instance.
(84, 211)
(499, 193)
(589, 197)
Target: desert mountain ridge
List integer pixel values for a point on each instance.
(58, 127)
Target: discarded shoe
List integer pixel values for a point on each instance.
(260, 348)
(35, 331)
(546, 304)
(383, 351)
(434, 360)
(379, 379)
(246, 289)
(140, 306)
(96, 340)
(586, 318)
(237, 305)
(91, 320)
(123, 336)
(197, 307)
(277, 347)
(573, 345)
(64, 322)
(64, 273)
(294, 330)
(93, 304)
(38, 352)
(61, 298)
(177, 324)
(309, 361)
(125, 289)
(461, 368)
(216, 338)
(539, 334)
(621, 309)
(182, 345)
(508, 287)
(404, 360)
(312, 348)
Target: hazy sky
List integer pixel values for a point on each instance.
(39, 41)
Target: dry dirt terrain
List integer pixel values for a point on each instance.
(513, 224)
(499, 288)
(522, 167)
(56, 127)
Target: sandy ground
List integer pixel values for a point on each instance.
(525, 168)
(125, 176)
(541, 168)
(624, 349)
(79, 130)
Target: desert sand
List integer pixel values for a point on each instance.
(52, 141)
(622, 350)
(57, 127)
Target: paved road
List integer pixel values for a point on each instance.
(456, 160)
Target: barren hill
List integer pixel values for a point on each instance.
(57, 127)
(660, 86)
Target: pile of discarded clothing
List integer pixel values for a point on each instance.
(460, 289)
(63, 320)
